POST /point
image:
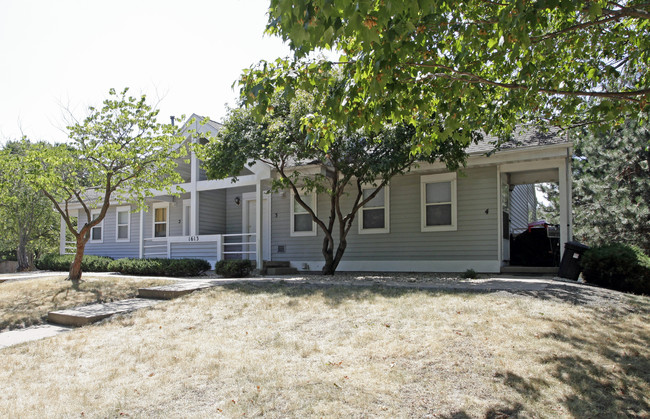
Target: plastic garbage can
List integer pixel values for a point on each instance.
(570, 265)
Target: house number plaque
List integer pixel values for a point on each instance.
(193, 239)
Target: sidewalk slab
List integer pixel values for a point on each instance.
(14, 337)
(81, 316)
(168, 292)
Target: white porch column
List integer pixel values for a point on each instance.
(564, 206)
(63, 230)
(194, 195)
(141, 235)
(259, 222)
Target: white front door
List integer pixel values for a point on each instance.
(250, 226)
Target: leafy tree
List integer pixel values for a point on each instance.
(118, 153)
(471, 63)
(28, 223)
(612, 186)
(349, 162)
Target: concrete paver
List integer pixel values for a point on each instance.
(14, 337)
(84, 315)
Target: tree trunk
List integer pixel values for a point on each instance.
(332, 261)
(21, 255)
(75, 267)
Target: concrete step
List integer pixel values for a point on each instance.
(168, 292)
(276, 264)
(84, 315)
(530, 270)
(281, 271)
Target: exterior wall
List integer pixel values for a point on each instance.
(523, 203)
(109, 246)
(474, 240)
(212, 212)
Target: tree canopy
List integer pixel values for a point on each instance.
(473, 64)
(118, 153)
(28, 223)
(355, 166)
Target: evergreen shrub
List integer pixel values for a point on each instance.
(54, 262)
(160, 267)
(234, 268)
(617, 266)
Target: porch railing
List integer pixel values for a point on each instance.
(70, 247)
(213, 247)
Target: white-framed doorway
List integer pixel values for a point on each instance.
(249, 224)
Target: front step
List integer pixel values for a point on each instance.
(277, 267)
(168, 292)
(82, 316)
(281, 271)
(552, 270)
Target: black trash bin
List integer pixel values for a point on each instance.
(570, 265)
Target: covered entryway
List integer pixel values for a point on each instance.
(527, 241)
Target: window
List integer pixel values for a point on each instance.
(123, 219)
(438, 202)
(96, 233)
(160, 219)
(374, 216)
(301, 223)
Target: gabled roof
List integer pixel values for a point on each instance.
(201, 125)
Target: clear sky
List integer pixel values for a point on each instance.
(71, 52)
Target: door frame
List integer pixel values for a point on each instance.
(266, 233)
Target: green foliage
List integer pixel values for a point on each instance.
(617, 266)
(612, 186)
(118, 153)
(347, 162)
(234, 268)
(28, 224)
(492, 65)
(470, 274)
(55, 262)
(160, 267)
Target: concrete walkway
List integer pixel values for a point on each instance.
(15, 337)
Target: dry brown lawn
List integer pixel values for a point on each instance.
(281, 350)
(27, 302)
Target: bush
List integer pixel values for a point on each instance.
(470, 274)
(160, 267)
(234, 268)
(617, 266)
(54, 262)
(8, 255)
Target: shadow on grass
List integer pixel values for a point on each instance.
(336, 292)
(605, 363)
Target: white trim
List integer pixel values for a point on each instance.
(486, 266)
(141, 233)
(266, 233)
(386, 208)
(126, 208)
(100, 226)
(439, 178)
(313, 206)
(187, 227)
(153, 219)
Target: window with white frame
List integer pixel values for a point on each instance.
(438, 202)
(97, 232)
(301, 222)
(123, 227)
(161, 219)
(374, 215)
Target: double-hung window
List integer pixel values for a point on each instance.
(374, 215)
(161, 219)
(301, 222)
(438, 202)
(123, 227)
(97, 232)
